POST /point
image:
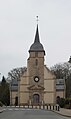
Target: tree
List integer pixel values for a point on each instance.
(3, 81)
(63, 71)
(68, 87)
(16, 73)
(4, 92)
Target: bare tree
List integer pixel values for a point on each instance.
(63, 70)
(16, 73)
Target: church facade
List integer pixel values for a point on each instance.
(37, 85)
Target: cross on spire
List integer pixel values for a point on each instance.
(37, 19)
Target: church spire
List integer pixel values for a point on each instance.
(37, 19)
(37, 33)
(37, 36)
(37, 46)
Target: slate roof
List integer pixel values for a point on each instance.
(37, 46)
(14, 85)
(60, 84)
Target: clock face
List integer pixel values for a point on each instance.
(36, 79)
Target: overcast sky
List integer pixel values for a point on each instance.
(18, 27)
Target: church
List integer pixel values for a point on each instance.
(37, 85)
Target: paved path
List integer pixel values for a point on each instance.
(64, 112)
(21, 113)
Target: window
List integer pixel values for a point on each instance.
(36, 62)
(36, 79)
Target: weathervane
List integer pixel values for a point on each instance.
(37, 19)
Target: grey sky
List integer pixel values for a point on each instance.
(18, 26)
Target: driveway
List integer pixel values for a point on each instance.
(21, 113)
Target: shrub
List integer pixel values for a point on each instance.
(68, 103)
(62, 102)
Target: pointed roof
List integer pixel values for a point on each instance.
(37, 46)
(37, 35)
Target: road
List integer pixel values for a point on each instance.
(21, 113)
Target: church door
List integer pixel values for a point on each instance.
(36, 98)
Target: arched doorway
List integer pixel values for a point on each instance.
(57, 99)
(16, 101)
(36, 98)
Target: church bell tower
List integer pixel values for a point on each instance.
(36, 71)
